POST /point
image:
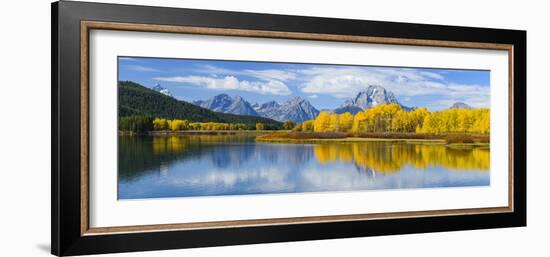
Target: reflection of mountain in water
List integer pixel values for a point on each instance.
(234, 155)
(295, 154)
(154, 154)
(367, 171)
(198, 165)
(138, 155)
(142, 154)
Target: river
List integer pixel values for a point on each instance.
(209, 165)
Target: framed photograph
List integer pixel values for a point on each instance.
(178, 128)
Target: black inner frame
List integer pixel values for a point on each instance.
(65, 167)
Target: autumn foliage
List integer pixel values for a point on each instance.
(392, 118)
(177, 125)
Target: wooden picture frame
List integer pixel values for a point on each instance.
(71, 25)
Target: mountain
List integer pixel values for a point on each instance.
(371, 97)
(226, 104)
(162, 90)
(460, 105)
(269, 109)
(135, 99)
(348, 108)
(255, 105)
(295, 109)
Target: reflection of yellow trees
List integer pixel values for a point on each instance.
(378, 156)
(326, 153)
(391, 157)
(177, 144)
(169, 144)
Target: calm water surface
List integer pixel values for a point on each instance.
(201, 165)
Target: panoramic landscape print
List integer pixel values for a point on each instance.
(190, 128)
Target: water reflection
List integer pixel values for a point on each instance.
(391, 157)
(198, 165)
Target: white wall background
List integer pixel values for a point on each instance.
(25, 127)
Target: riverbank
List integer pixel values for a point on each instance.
(453, 140)
(213, 132)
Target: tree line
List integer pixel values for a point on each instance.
(392, 118)
(175, 125)
(385, 118)
(144, 123)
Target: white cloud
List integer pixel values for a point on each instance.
(342, 82)
(281, 75)
(409, 74)
(266, 179)
(432, 75)
(213, 70)
(269, 74)
(346, 82)
(140, 68)
(272, 87)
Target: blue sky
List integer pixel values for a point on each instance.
(325, 86)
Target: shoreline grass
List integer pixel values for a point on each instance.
(451, 140)
(210, 132)
(362, 139)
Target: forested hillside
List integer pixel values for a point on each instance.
(137, 100)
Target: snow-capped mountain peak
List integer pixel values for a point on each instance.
(372, 96)
(162, 90)
(227, 104)
(295, 109)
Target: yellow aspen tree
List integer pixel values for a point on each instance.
(322, 122)
(334, 123)
(360, 122)
(259, 126)
(159, 124)
(464, 120)
(288, 125)
(176, 125)
(389, 111)
(430, 124)
(400, 121)
(346, 121)
(418, 116)
(307, 125)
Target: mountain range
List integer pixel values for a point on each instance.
(227, 104)
(297, 109)
(135, 99)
